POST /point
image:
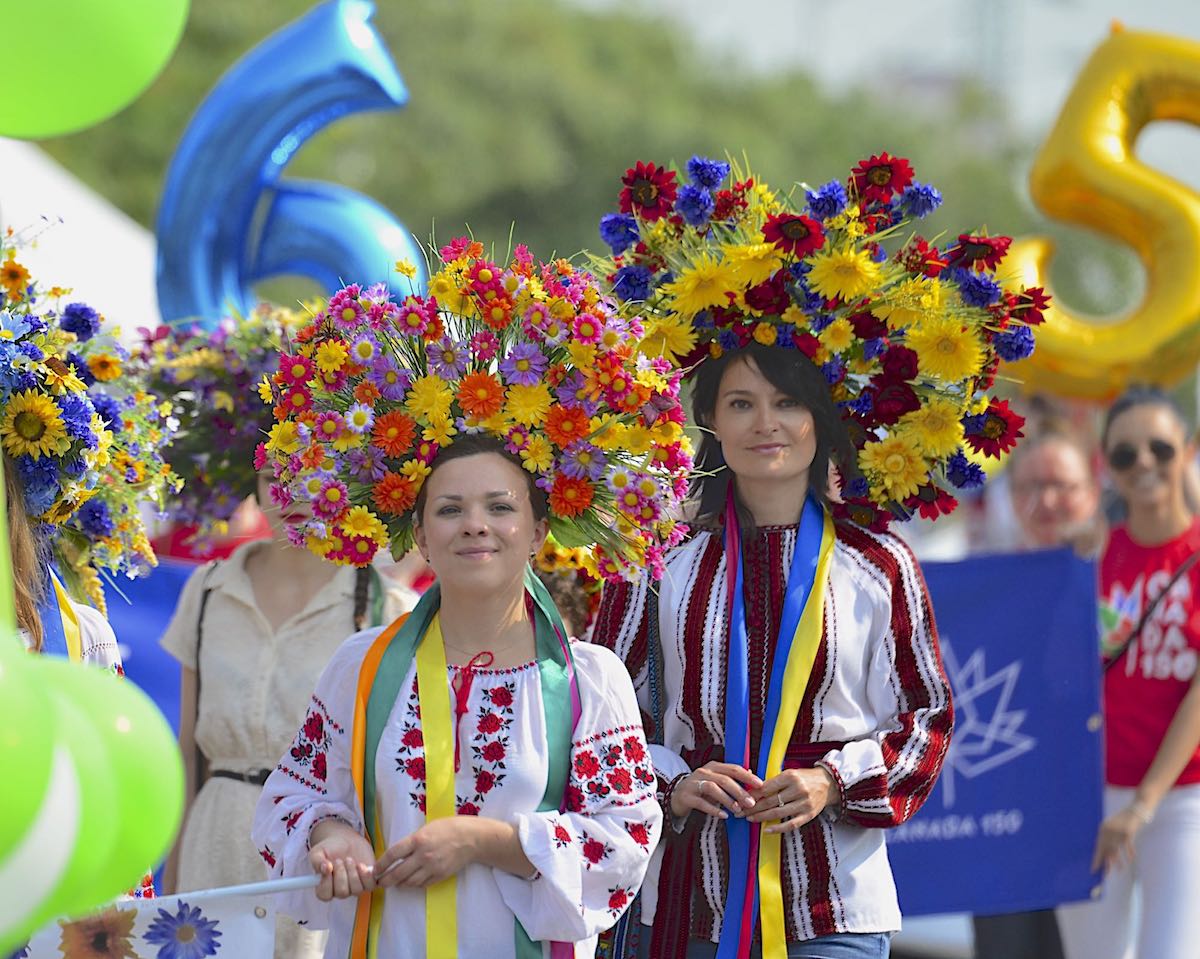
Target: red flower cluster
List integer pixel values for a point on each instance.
(649, 189)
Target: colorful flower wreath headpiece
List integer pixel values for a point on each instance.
(86, 439)
(534, 355)
(48, 425)
(908, 335)
(213, 376)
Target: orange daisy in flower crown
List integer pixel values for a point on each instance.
(481, 396)
(531, 354)
(566, 424)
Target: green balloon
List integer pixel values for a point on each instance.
(68, 64)
(85, 845)
(143, 755)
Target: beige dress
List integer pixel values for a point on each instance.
(255, 686)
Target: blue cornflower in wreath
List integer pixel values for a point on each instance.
(185, 935)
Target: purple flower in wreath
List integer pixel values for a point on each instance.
(524, 365)
(447, 358)
(185, 935)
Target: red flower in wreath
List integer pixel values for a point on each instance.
(649, 191)
(881, 177)
(978, 252)
(1031, 305)
(994, 431)
(932, 502)
(794, 233)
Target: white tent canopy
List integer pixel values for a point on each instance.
(90, 246)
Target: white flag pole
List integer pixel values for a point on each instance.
(249, 889)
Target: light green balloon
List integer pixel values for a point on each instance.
(93, 781)
(148, 772)
(68, 64)
(84, 846)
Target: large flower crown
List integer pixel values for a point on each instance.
(48, 425)
(909, 335)
(534, 355)
(84, 436)
(213, 376)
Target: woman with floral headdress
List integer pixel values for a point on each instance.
(788, 664)
(251, 631)
(67, 453)
(468, 781)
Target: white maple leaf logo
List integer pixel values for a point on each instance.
(986, 732)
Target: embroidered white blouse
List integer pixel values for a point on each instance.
(590, 859)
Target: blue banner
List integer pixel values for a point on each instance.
(140, 623)
(1011, 824)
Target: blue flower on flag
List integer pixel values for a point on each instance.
(185, 935)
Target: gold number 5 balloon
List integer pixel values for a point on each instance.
(1087, 174)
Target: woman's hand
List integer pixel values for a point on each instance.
(342, 858)
(715, 789)
(437, 851)
(1114, 844)
(795, 796)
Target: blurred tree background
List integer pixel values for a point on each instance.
(530, 111)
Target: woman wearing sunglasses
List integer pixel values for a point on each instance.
(1150, 625)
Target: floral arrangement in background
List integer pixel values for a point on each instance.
(212, 376)
(108, 533)
(908, 333)
(532, 354)
(573, 579)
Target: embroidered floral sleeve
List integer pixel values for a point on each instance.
(884, 779)
(312, 783)
(591, 857)
(622, 625)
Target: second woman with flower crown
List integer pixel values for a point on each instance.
(787, 665)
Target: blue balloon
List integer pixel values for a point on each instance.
(333, 235)
(224, 178)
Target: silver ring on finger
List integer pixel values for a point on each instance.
(779, 796)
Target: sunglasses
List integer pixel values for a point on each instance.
(1122, 456)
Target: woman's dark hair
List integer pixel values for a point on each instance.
(792, 373)
(362, 595)
(1141, 396)
(472, 444)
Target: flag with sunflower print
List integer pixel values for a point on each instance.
(908, 332)
(223, 923)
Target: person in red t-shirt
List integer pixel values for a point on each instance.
(1149, 842)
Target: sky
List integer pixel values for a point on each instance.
(1027, 52)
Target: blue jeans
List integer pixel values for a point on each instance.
(841, 945)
